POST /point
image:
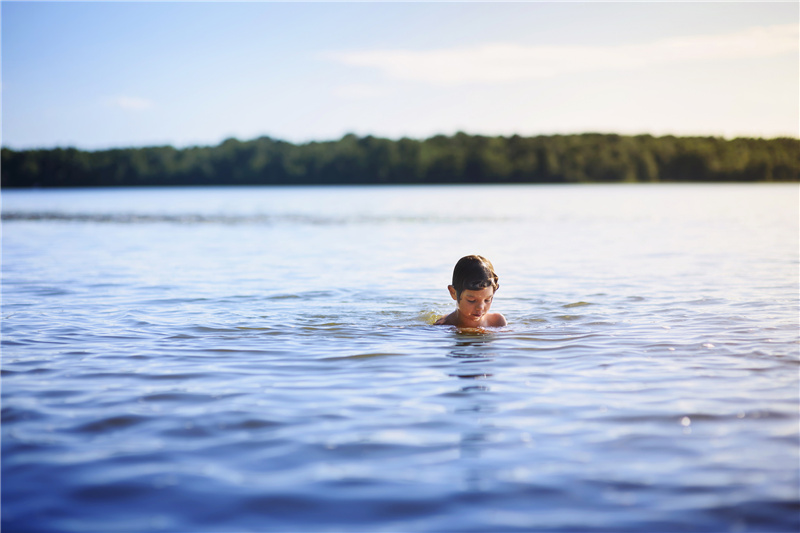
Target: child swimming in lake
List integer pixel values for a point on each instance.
(473, 288)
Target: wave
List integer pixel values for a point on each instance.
(133, 218)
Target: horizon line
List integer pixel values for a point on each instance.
(68, 146)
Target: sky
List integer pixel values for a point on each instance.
(97, 75)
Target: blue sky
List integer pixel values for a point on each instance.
(110, 74)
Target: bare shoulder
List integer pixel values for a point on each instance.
(447, 320)
(496, 320)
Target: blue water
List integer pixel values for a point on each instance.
(262, 359)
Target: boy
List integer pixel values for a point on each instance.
(473, 288)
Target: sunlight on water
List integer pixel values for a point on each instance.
(264, 360)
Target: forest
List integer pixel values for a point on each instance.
(459, 158)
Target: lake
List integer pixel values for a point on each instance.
(262, 359)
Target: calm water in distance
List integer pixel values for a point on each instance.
(261, 359)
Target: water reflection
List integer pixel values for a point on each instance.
(473, 350)
(474, 358)
(473, 344)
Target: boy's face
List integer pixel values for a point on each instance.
(473, 305)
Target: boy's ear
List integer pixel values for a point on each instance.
(452, 292)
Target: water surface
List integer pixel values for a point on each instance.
(261, 359)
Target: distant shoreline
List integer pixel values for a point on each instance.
(439, 160)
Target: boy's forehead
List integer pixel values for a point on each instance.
(486, 291)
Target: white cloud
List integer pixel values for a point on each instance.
(130, 103)
(503, 62)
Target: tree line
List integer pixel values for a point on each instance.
(460, 158)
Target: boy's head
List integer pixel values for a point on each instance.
(473, 273)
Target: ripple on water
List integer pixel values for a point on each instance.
(113, 423)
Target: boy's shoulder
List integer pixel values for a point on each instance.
(446, 320)
(495, 320)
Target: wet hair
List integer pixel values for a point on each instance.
(473, 273)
